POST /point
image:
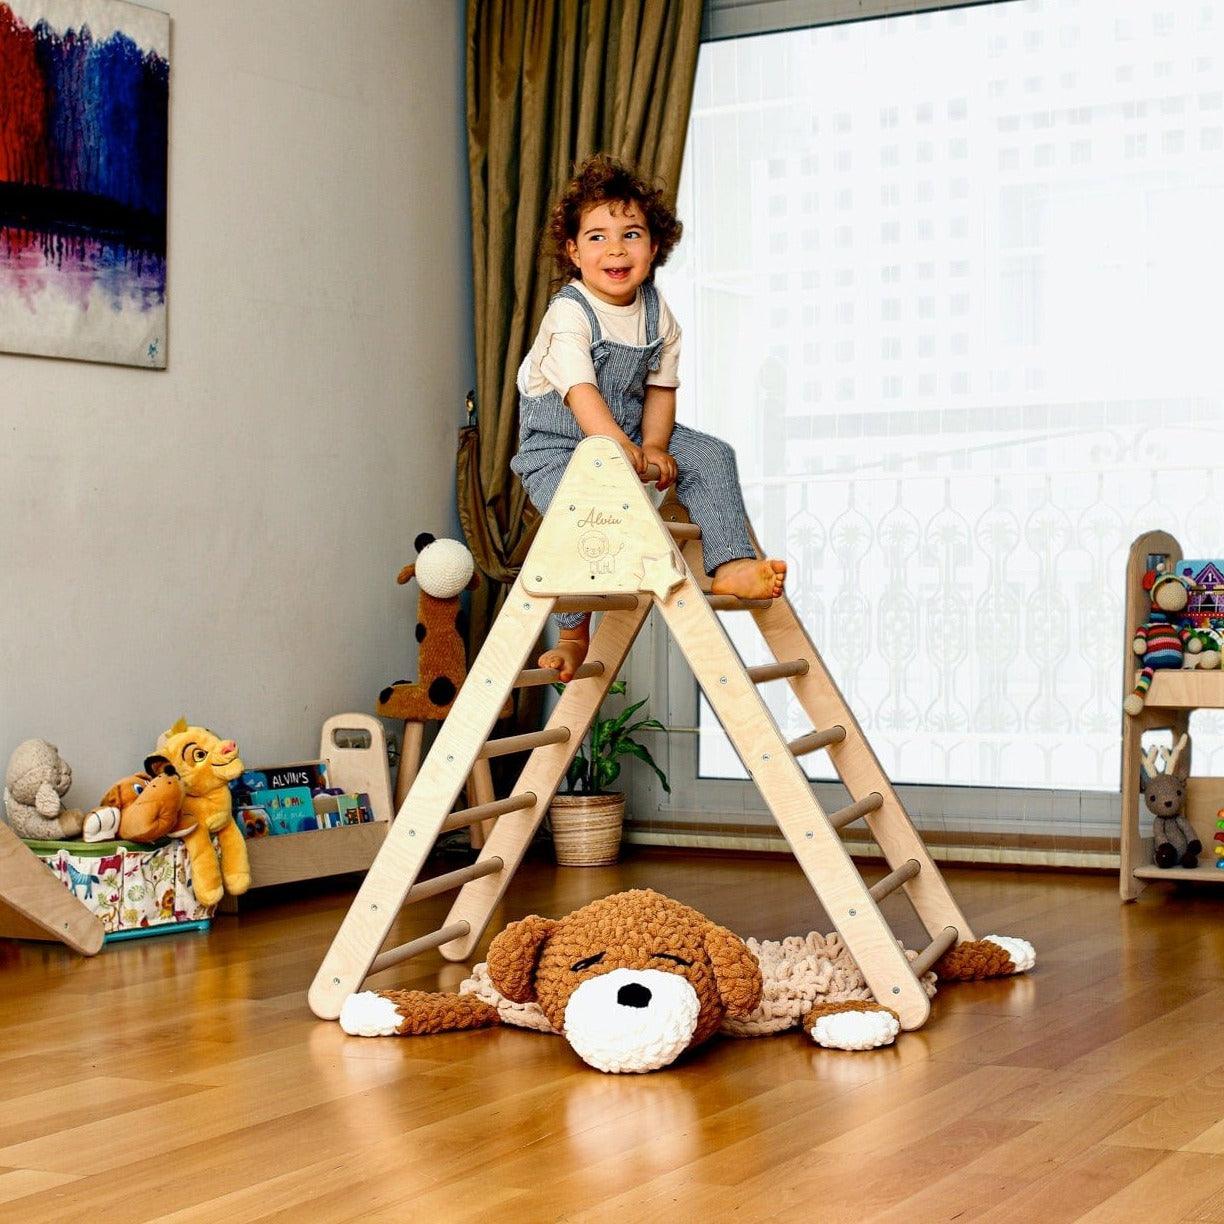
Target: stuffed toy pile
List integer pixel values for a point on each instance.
(633, 980)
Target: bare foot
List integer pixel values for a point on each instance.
(750, 579)
(569, 652)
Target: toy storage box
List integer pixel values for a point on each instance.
(132, 889)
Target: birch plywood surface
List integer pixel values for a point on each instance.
(185, 1079)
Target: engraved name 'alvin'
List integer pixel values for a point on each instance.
(596, 518)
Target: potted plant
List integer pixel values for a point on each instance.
(586, 819)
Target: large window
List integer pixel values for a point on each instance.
(949, 285)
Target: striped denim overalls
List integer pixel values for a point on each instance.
(707, 483)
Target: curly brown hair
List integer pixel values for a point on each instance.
(602, 179)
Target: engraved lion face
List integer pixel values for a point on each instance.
(593, 545)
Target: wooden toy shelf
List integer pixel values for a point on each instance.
(1173, 695)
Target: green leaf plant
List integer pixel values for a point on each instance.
(597, 764)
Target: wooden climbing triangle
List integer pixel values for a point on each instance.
(603, 547)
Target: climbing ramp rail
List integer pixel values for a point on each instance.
(603, 547)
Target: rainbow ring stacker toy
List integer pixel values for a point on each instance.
(1219, 840)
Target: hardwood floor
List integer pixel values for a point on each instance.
(183, 1078)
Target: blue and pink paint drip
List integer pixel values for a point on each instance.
(83, 141)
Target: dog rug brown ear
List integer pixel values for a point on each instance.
(513, 955)
(736, 971)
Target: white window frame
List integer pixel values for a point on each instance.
(658, 670)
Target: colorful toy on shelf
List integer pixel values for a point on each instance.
(206, 764)
(35, 783)
(1219, 840)
(1163, 640)
(1205, 608)
(1163, 775)
(138, 808)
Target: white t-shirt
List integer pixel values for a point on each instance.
(560, 358)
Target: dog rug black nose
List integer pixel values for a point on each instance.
(633, 995)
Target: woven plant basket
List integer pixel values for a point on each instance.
(586, 829)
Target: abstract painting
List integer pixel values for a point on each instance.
(84, 94)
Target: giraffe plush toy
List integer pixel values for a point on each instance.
(443, 570)
(1164, 639)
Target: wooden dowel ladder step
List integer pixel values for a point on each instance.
(778, 671)
(524, 743)
(684, 531)
(733, 603)
(934, 950)
(453, 879)
(533, 677)
(852, 811)
(487, 811)
(816, 739)
(596, 603)
(894, 879)
(435, 939)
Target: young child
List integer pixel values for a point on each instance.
(604, 362)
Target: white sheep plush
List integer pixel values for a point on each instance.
(35, 784)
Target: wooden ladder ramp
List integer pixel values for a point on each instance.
(631, 562)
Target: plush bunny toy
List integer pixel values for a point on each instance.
(1174, 843)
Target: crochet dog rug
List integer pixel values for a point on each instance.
(633, 980)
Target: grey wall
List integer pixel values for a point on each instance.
(221, 539)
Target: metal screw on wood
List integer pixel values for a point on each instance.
(853, 913)
(896, 990)
(764, 756)
(539, 578)
(722, 679)
(599, 463)
(809, 835)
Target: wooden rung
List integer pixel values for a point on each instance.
(533, 677)
(487, 811)
(894, 879)
(596, 603)
(684, 531)
(850, 813)
(522, 743)
(733, 603)
(453, 879)
(435, 939)
(934, 950)
(778, 671)
(817, 739)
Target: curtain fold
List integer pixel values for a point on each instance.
(549, 82)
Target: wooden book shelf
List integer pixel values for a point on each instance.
(1170, 700)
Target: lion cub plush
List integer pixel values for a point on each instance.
(206, 765)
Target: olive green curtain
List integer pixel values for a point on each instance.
(549, 82)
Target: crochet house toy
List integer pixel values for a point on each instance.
(633, 980)
(1164, 639)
